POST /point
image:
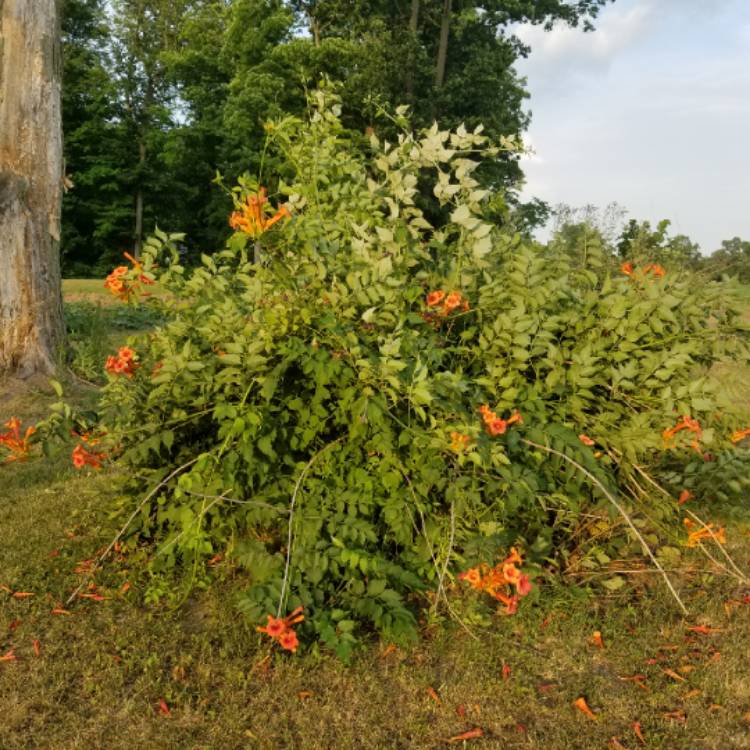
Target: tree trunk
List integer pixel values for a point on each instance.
(413, 27)
(31, 182)
(315, 29)
(414, 17)
(442, 55)
(139, 202)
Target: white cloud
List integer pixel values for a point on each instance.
(651, 110)
(616, 30)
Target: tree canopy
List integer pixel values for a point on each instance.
(160, 95)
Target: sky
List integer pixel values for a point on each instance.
(651, 110)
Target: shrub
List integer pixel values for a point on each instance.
(340, 418)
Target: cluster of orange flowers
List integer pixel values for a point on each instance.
(124, 288)
(740, 435)
(705, 532)
(18, 447)
(496, 426)
(459, 442)
(83, 457)
(281, 630)
(251, 218)
(495, 581)
(686, 423)
(652, 268)
(447, 302)
(123, 364)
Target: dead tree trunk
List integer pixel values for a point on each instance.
(31, 180)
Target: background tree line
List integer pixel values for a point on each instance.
(160, 94)
(579, 231)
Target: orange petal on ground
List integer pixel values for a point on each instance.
(596, 639)
(60, 611)
(125, 587)
(8, 656)
(671, 673)
(37, 648)
(638, 732)
(583, 707)
(303, 695)
(704, 629)
(163, 707)
(22, 594)
(637, 679)
(680, 716)
(431, 692)
(388, 650)
(472, 734)
(693, 693)
(506, 672)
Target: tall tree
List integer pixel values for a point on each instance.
(733, 258)
(31, 181)
(144, 31)
(97, 208)
(196, 80)
(639, 241)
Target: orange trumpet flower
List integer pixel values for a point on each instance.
(251, 218)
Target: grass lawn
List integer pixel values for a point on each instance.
(102, 670)
(76, 289)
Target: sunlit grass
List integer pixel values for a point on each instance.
(103, 669)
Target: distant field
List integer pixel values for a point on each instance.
(86, 289)
(91, 290)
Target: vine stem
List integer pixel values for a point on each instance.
(442, 574)
(620, 510)
(448, 606)
(290, 531)
(127, 524)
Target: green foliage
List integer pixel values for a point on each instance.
(638, 242)
(310, 399)
(732, 258)
(93, 328)
(97, 207)
(160, 94)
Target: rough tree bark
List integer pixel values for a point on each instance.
(31, 180)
